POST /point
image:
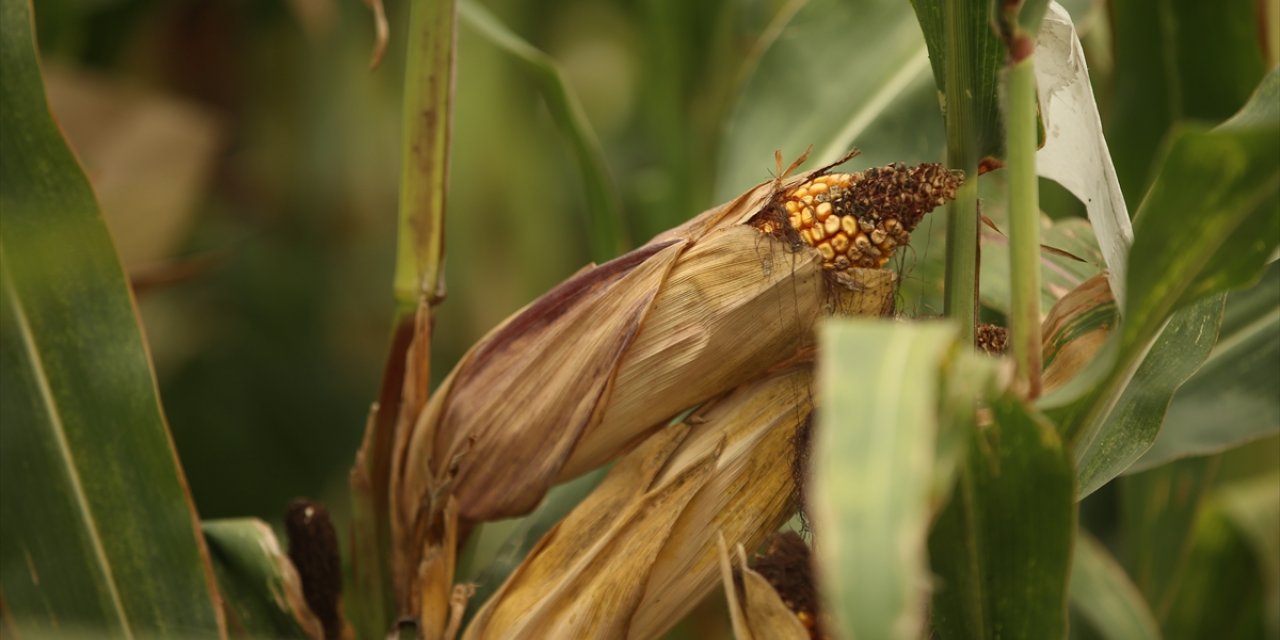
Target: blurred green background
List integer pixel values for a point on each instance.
(247, 161)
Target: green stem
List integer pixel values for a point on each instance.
(961, 298)
(424, 153)
(1024, 223)
(418, 285)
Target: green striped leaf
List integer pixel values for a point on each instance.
(97, 532)
(1103, 594)
(873, 458)
(1001, 549)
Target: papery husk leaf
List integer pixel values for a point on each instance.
(767, 616)
(737, 616)
(756, 610)
(750, 495)
(434, 583)
(732, 464)
(587, 573)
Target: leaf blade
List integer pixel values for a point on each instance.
(103, 534)
(871, 481)
(1102, 592)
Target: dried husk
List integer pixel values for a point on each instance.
(587, 370)
(640, 551)
(593, 367)
(756, 609)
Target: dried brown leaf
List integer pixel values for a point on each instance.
(1073, 334)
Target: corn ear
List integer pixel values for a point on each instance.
(598, 363)
(640, 551)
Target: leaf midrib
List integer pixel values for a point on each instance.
(64, 447)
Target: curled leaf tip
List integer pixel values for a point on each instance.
(380, 33)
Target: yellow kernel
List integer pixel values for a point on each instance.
(861, 243)
(818, 187)
(823, 211)
(831, 225)
(795, 221)
(817, 233)
(792, 206)
(808, 199)
(800, 193)
(806, 217)
(877, 236)
(840, 242)
(849, 225)
(827, 252)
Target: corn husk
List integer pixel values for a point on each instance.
(640, 552)
(597, 364)
(582, 373)
(755, 608)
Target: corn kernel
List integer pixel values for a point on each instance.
(840, 242)
(827, 252)
(849, 225)
(806, 217)
(823, 211)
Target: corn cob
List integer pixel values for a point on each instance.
(856, 220)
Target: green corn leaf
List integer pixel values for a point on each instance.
(1104, 596)
(97, 531)
(836, 75)
(1158, 511)
(261, 590)
(604, 220)
(1232, 399)
(1001, 549)
(871, 490)
(1208, 225)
